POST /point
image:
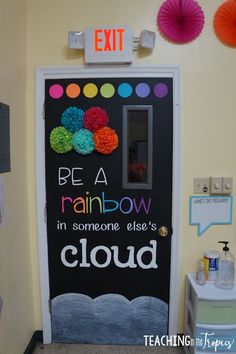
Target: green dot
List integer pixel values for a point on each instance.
(107, 90)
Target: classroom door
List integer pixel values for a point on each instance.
(108, 153)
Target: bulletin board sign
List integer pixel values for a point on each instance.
(206, 211)
(5, 165)
(108, 185)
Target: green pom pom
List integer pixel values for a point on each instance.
(61, 140)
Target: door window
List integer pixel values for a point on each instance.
(137, 147)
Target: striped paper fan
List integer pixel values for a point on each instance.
(225, 22)
(180, 21)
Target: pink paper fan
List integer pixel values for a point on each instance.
(180, 21)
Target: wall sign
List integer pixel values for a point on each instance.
(108, 44)
(206, 211)
(4, 138)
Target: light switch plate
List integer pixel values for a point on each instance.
(216, 185)
(227, 185)
(201, 185)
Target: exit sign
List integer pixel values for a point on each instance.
(108, 44)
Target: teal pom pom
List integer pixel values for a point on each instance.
(72, 119)
(83, 142)
(61, 140)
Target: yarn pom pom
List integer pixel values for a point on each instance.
(72, 119)
(61, 140)
(106, 140)
(83, 142)
(95, 118)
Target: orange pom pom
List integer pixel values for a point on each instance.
(225, 22)
(106, 140)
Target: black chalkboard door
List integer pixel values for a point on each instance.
(108, 154)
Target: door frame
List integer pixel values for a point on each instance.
(84, 71)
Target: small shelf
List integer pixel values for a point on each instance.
(210, 314)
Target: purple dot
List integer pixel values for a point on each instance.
(142, 90)
(160, 90)
(56, 91)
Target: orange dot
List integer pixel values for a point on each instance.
(73, 90)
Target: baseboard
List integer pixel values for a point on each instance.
(36, 338)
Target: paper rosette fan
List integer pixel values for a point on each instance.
(180, 21)
(225, 22)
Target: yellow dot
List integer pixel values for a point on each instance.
(90, 90)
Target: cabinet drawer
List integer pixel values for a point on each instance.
(216, 312)
(215, 339)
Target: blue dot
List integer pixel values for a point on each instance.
(125, 90)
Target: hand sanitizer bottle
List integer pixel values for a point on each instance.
(225, 279)
(201, 274)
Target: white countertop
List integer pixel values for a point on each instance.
(209, 291)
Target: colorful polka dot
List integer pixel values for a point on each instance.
(56, 91)
(125, 90)
(90, 90)
(107, 90)
(73, 90)
(160, 90)
(142, 90)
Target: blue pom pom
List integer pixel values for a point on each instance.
(72, 119)
(83, 142)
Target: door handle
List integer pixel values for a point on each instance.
(163, 231)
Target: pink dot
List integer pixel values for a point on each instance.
(56, 91)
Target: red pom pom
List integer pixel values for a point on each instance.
(95, 118)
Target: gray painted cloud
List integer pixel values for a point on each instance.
(107, 319)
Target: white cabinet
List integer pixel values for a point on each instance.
(210, 318)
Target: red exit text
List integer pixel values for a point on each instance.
(109, 40)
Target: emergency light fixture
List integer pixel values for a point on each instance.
(109, 44)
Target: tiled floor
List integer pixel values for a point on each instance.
(103, 349)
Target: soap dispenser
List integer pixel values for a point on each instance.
(225, 279)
